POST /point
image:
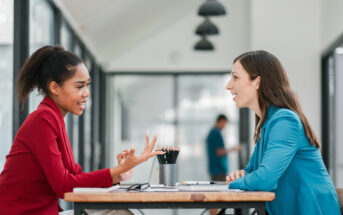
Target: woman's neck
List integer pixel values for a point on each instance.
(55, 99)
(256, 108)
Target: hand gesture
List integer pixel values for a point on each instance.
(235, 175)
(132, 160)
(121, 157)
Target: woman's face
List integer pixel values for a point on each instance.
(242, 88)
(72, 95)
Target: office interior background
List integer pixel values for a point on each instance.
(147, 76)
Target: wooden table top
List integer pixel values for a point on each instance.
(169, 197)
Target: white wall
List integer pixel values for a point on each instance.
(290, 29)
(332, 24)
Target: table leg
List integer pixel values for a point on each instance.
(260, 211)
(222, 211)
(238, 211)
(77, 209)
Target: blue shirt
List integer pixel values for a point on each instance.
(217, 165)
(286, 163)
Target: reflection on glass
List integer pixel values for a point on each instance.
(6, 80)
(41, 34)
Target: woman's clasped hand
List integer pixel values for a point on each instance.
(235, 175)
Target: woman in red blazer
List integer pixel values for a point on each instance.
(40, 166)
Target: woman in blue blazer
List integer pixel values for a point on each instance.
(286, 159)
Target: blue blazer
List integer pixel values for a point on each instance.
(286, 163)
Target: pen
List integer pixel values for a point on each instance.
(198, 182)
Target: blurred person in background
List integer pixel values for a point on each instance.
(217, 154)
(218, 164)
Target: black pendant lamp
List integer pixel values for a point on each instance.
(207, 28)
(204, 45)
(211, 8)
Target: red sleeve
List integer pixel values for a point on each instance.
(78, 169)
(44, 142)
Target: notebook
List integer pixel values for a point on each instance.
(203, 188)
(95, 189)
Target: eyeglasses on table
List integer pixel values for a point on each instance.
(138, 187)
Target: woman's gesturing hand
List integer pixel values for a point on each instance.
(121, 157)
(127, 159)
(132, 160)
(235, 175)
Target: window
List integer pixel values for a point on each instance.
(181, 109)
(65, 37)
(201, 98)
(140, 103)
(6, 80)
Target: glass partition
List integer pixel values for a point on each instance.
(6, 80)
(141, 104)
(181, 109)
(200, 99)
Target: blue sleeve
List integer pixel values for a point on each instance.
(281, 148)
(249, 168)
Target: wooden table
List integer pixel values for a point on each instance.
(143, 200)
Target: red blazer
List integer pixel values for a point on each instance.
(40, 167)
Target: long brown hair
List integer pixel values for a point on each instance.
(274, 89)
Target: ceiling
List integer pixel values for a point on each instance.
(113, 30)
